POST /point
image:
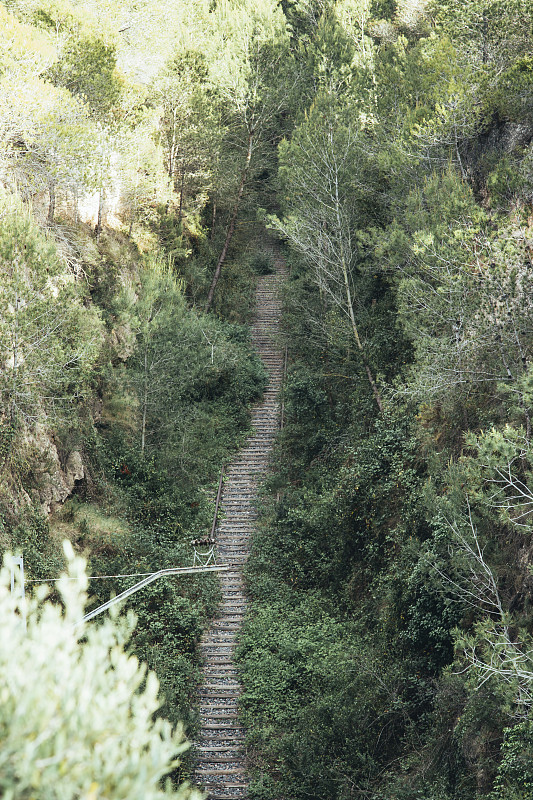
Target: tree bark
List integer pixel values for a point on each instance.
(485, 55)
(145, 401)
(372, 382)
(100, 214)
(233, 219)
(214, 219)
(182, 185)
(349, 303)
(172, 149)
(52, 203)
(15, 348)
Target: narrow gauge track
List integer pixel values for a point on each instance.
(221, 762)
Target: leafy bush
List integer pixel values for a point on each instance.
(263, 262)
(515, 774)
(49, 341)
(77, 717)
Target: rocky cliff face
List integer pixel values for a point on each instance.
(51, 473)
(53, 479)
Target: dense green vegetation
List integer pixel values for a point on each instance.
(120, 398)
(388, 649)
(388, 143)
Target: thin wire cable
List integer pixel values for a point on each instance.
(89, 577)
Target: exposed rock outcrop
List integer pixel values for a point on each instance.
(54, 482)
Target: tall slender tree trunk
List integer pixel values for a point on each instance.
(215, 209)
(349, 303)
(372, 382)
(145, 401)
(172, 149)
(100, 214)
(133, 205)
(182, 186)
(485, 55)
(52, 203)
(233, 219)
(15, 353)
(214, 219)
(329, 393)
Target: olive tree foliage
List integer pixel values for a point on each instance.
(77, 712)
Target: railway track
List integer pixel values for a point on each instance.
(220, 753)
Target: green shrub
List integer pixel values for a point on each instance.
(263, 262)
(77, 717)
(515, 774)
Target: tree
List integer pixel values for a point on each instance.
(46, 133)
(188, 370)
(321, 211)
(500, 473)
(48, 340)
(464, 294)
(494, 650)
(248, 68)
(77, 712)
(489, 34)
(157, 311)
(87, 68)
(143, 180)
(190, 126)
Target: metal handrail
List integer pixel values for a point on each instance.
(145, 582)
(194, 570)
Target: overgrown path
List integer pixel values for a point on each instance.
(221, 758)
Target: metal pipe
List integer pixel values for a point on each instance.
(145, 582)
